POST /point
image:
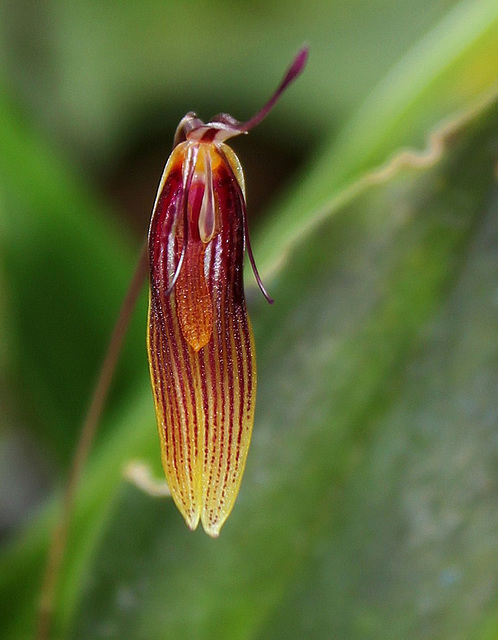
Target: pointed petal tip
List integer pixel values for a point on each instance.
(295, 70)
(299, 61)
(212, 523)
(213, 530)
(292, 73)
(192, 520)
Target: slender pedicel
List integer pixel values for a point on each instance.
(59, 537)
(200, 342)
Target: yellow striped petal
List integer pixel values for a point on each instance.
(204, 390)
(199, 338)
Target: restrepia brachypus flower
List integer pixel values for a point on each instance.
(200, 342)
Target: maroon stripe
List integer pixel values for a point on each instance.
(235, 313)
(218, 426)
(178, 428)
(210, 356)
(170, 408)
(159, 394)
(215, 359)
(170, 405)
(187, 370)
(242, 390)
(165, 376)
(228, 290)
(219, 432)
(246, 332)
(242, 308)
(184, 379)
(231, 395)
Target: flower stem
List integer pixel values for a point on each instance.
(60, 535)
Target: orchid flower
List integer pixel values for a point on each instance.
(199, 339)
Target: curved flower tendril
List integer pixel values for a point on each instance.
(200, 342)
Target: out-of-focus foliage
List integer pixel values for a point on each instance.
(368, 505)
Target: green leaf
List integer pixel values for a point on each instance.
(452, 66)
(58, 248)
(373, 441)
(367, 506)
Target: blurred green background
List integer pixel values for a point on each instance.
(368, 507)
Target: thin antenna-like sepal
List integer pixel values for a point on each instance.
(293, 72)
(253, 262)
(247, 237)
